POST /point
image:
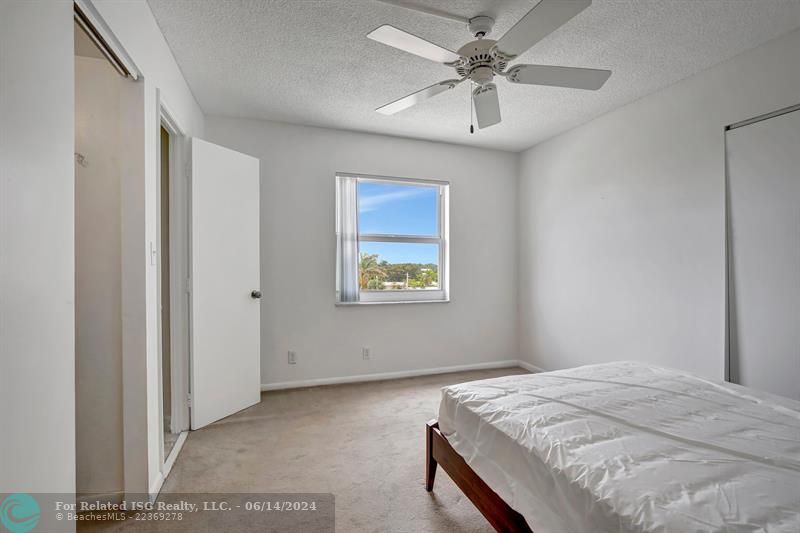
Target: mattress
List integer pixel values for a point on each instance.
(630, 447)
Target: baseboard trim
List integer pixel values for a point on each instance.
(529, 367)
(509, 363)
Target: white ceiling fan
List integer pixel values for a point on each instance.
(482, 59)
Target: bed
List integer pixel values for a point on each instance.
(620, 447)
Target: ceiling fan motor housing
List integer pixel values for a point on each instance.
(479, 61)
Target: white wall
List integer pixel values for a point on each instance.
(298, 165)
(98, 284)
(134, 26)
(622, 226)
(37, 355)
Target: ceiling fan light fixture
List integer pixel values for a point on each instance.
(482, 75)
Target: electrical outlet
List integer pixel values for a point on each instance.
(292, 358)
(365, 354)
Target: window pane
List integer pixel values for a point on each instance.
(397, 209)
(398, 266)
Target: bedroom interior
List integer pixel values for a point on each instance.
(400, 265)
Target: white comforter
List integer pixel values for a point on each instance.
(630, 447)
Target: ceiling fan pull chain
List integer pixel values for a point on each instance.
(471, 107)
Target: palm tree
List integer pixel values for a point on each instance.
(369, 268)
(426, 277)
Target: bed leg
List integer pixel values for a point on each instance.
(430, 462)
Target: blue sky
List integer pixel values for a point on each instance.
(397, 209)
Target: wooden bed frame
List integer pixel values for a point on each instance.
(439, 452)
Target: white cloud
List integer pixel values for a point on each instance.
(372, 202)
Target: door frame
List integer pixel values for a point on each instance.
(179, 275)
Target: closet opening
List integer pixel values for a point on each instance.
(103, 100)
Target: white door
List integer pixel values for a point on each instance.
(764, 196)
(225, 363)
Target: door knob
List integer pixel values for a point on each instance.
(255, 295)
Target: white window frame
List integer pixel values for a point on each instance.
(442, 239)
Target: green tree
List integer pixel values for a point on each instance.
(426, 277)
(370, 270)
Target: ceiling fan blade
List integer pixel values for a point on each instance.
(487, 105)
(427, 10)
(412, 44)
(417, 97)
(575, 78)
(545, 17)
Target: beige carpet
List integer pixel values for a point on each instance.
(362, 442)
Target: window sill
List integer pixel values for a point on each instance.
(392, 302)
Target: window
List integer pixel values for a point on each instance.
(392, 240)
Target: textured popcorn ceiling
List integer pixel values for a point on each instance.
(309, 62)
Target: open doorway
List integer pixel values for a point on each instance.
(170, 434)
(173, 300)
